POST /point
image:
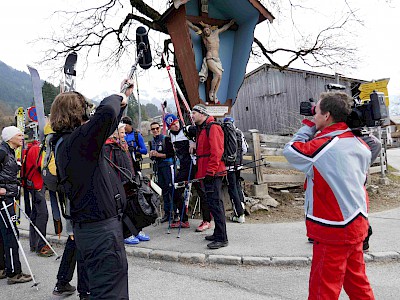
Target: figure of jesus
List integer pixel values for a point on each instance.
(212, 62)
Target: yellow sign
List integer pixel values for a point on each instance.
(380, 86)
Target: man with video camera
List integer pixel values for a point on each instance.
(336, 163)
(95, 192)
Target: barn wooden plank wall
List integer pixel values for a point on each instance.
(269, 99)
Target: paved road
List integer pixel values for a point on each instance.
(152, 279)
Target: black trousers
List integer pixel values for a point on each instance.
(27, 202)
(215, 203)
(39, 217)
(101, 245)
(205, 210)
(235, 191)
(70, 258)
(8, 242)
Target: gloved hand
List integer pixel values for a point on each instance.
(208, 179)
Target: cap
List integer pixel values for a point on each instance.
(9, 132)
(201, 108)
(126, 120)
(170, 119)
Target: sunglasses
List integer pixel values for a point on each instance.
(155, 128)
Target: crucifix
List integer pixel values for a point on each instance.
(211, 28)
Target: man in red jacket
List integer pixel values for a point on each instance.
(336, 163)
(209, 150)
(39, 214)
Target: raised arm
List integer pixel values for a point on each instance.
(194, 27)
(226, 26)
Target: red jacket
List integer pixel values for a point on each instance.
(336, 164)
(209, 150)
(33, 176)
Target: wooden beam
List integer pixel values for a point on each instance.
(264, 13)
(283, 178)
(215, 22)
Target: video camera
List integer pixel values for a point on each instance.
(371, 113)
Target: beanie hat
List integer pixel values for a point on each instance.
(9, 132)
(121, 125)
(170, 119)
(201, 108)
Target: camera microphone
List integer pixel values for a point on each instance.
(142, 44)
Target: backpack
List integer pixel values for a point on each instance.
(24, 173)
(142, 204)
(48, 165)
(142, 207)
(230, 141)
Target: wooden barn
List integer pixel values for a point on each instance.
(269, 99)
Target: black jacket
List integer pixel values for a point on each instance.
(8, 170)
(122, 159)
(88, 179)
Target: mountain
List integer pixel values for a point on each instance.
(394, 106)
(15, 87)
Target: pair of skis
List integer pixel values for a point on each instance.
(68, 85)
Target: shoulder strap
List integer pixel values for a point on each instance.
(136, 135)
(40, 154)
(208, 127)
(120, 169)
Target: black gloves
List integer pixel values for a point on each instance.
(208, 179)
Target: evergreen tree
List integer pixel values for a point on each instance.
(50, 92)
(152, 110)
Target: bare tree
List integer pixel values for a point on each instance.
(106, 31)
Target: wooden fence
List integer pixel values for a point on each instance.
(263, 147)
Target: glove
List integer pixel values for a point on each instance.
(208, 179)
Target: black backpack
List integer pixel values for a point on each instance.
(141, 206)
(230, 141)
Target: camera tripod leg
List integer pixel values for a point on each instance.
(35, 284)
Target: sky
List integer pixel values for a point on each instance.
(23, 21)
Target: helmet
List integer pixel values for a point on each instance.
(229, 119)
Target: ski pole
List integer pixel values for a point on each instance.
(185, 199)
(178, 89)
(38, 231)
(35, 284)
(171, 199)
(183, 183)
(178, 108)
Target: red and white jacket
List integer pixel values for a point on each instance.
(336, 164)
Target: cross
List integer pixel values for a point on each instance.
(203, 7)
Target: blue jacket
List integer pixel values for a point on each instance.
(137, 146)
